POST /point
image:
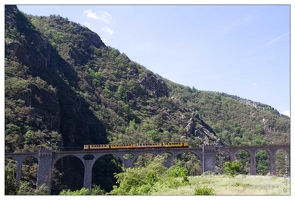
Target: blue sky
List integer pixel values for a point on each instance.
(242, 50)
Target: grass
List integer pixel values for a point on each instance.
(239, 185)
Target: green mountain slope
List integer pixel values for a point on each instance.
(61, 80)
(65, 88)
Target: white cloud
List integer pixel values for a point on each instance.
(286, 112)
(254, 84)
(108, 30)
(102, 16)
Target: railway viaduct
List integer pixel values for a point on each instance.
(206, 153)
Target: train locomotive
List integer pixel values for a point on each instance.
(136, 146)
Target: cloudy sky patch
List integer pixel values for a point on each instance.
(108, 30)
(101, 15)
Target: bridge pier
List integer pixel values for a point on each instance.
(232, 154)
(209, 155)
(88, 164)
(128, 163)
(272, 161)
(44, 168)
(252, 162)
(19, 161)
(168, 161)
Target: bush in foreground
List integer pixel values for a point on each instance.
(96, 190)
(204, 190)
(232, 169)
(152, 178)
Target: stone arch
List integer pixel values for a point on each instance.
(191, 160)
(103, 169)
(262, 161)
(142, 158)
(169, 156)
(60, 156)
(70, 169)
(244, 156)
(29, 170)
(282, 162)
(127, 156)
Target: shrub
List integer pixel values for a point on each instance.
(208, 173)
(96, 190)
(177, 171)
(149, 179)
(204, 190)
(82, 191)
(232, 169)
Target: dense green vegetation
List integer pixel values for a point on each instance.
(65, 88)
(232, 168)
(149, 179)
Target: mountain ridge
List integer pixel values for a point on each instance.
(101, 75)
(65, 88)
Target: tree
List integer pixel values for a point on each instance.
(232, 169)
(11, 183)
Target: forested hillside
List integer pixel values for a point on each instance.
(65, 88)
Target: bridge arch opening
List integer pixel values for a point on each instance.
(128, 156)
(10, 169)
(282, 163)
(30, 170)
(221, 158)
(244, 157)
(103, 171)
(67, 173)
(167, 154)
(262, 158)
(190, 161)
(144, 159)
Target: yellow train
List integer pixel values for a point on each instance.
(136, 146)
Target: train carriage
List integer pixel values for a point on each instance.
(136, 146)
(123, 146)
(175, 144)
(96, 146)
(147, 145)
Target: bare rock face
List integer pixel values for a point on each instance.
(198, 128)
(155, 85)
